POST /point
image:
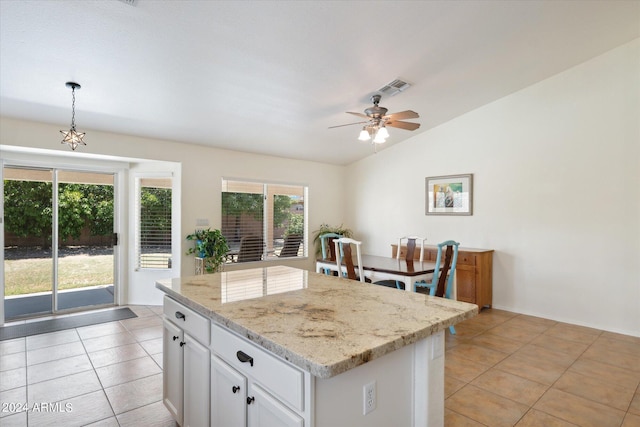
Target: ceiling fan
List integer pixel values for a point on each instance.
(378, 120)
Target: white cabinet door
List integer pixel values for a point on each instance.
(196, 383)
(266, 411)
(172, 367)
(228, 395)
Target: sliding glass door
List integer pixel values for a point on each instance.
(59, 241)
(28, 257)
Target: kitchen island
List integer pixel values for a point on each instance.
(282, 346)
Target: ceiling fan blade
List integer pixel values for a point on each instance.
(402, 125)
(348, 124)
(359, 114)
(409, 114)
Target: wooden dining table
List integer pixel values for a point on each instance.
(386, 268)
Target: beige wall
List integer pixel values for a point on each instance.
(202, 170)
(557, 192)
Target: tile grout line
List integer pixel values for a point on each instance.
(99, 381)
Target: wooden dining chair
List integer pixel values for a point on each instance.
(442, 281)
(328, 248)
(343, 251)
(411, 247)
(410, 254)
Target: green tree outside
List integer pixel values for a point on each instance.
(28, 211)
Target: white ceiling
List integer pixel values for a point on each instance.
(271, 76)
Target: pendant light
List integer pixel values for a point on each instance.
(71, 136)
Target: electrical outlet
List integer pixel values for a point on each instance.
(369, 398)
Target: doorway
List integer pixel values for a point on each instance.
(59, 241)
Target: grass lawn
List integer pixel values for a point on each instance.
(30, 275)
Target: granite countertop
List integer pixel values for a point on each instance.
(322, 324)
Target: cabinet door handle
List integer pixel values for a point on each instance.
(175, 337)
(235, 389)
(250, 400)
(180, 316)
(244, 357)
(182, 343)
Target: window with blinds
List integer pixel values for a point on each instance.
(154, 225)
(263, 221)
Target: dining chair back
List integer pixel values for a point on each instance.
(409, 256)
(442, 281)
(291, 246)
(411, 247)
(251, 248)
(343, 251)
(326, 243)
(328, 248)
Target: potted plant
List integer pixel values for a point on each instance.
(211, 246)
(326, 228)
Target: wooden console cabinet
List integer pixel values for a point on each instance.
(474, 272)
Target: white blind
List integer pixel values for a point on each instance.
(154, 225)
(257, 282)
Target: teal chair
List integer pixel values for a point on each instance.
(442, 280)
(326, 243)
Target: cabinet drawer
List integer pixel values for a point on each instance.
(281, 379)
(465, 258)
(192, 323)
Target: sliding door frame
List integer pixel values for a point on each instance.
(118, 169)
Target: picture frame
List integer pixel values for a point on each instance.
(449, 195)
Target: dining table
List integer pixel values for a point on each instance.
(386, 268)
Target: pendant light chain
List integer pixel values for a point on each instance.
(73, 108)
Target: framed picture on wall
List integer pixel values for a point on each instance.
(449, 195)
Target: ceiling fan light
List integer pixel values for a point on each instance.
(383, 133)
(364, 135)
(379, 139)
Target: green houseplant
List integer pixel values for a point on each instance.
(326, 228)
(211, 246)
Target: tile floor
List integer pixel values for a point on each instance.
(108, 374)
(505, 369)
(502, 369)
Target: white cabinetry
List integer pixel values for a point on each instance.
(266, 411)
(228, 395)
(250, 387)
(172, 367)
(216, 377)
(186, 364)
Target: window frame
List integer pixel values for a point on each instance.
(140, 184)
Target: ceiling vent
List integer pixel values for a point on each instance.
(129, 2)
(394, 87)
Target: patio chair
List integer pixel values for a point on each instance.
(291, 246)
(251, 249)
